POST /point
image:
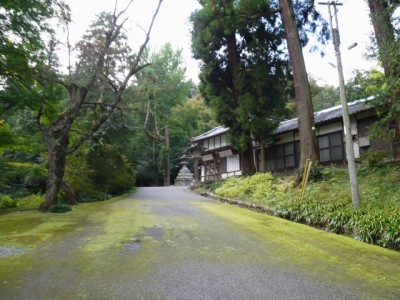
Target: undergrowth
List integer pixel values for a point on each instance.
(327, 201)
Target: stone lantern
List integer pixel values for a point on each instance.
(185, 177)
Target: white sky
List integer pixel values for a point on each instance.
(172, 26)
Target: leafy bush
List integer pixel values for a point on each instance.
(257, 187)
(380, 227)
(21, 179)
(112, 172)
(35, 180)
(374, 159)
(374, 226)
(212, 185)
(7, 202)
(318, 173)
(60, 208)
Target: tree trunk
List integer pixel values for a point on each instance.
(71, 199)
(384, 32)
(56, 169)
(246, 161)
(305, 114)
(386, 40)
(263, 166)
(166, 158)
(233, 59)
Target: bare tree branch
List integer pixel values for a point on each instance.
(135, 67)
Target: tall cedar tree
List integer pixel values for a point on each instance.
(381, 13)
(305, 113)
(244, 70)
(211, 27)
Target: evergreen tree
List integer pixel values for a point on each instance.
(244, 69)
(387, 38)
(305, 113)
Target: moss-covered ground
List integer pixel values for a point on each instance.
(327, 202)
(172, 242)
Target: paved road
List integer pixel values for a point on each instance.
(168, 243)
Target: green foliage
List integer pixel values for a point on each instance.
(257, 187)
(22, 25)
(318, 173)
(7, 202)
(97, 173)
(35, 179)
(365, 84)
(32, 201)
(378, 226)
(212, 185)
(22, 178)
(162, 91)
(323, 96)
(374, 159)
(60, 208)
(243, 76)
(93, 196)
(111, 171)
(6, 137)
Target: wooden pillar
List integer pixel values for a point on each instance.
(196, 172)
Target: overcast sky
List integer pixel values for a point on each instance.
(172, 26)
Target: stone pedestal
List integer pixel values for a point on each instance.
(185, 177)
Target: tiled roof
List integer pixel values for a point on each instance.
(327, 115)
(321, 116)
(213, 132)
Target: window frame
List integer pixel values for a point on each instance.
(331, 146)
(279, 152)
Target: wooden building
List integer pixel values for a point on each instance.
(220, 160)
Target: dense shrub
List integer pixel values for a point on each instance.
(112, 172)
(380, 227)
(212, 185)
(35, 180)
(374, 226)
(21, 179)
(91, 185)
(257, 187)
(7, 202)
(374, 159)
(318, 173)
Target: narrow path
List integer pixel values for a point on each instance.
(168, 243)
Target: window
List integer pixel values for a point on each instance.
(218, 142)
(205, 144)
(331, 147)
(223, 140)
(281, 157)
(224, 165)
(211, 143)
(233, 163)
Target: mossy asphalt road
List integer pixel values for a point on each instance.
(168, 243)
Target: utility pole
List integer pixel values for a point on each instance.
(346, 118)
